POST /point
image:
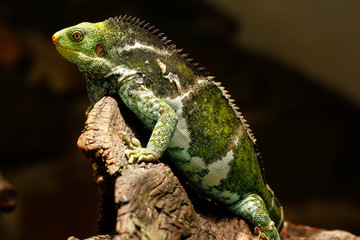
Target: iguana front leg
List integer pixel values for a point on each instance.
(156, 114)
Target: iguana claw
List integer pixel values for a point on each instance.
(136, 152)
(260, 233)
(267, 234)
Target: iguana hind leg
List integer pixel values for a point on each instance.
(253, 209)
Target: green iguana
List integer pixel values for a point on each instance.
(192, 118)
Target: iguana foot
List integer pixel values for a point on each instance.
(260, 234)
(253, 209)
(136, 152)
(267, 234)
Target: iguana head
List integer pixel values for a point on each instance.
(98, 48)
(86, 45)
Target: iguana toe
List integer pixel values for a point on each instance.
(136, 152)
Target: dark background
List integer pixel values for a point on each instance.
(307, 131)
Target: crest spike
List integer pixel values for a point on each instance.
(133, 20)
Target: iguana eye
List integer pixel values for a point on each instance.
(77, 36)
(100, 51)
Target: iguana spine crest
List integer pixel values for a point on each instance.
(148, 27)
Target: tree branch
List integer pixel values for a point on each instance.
(147, 201)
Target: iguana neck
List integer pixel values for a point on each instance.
(97, 88)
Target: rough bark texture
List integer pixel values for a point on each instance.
(147, 201)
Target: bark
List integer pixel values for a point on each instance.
(147, 200)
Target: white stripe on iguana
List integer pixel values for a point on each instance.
(162, 66)
(228, 197)
(135, 46)
(172, 77)
(138, 45)
(218, 170)
(181, 136)
(124, 72)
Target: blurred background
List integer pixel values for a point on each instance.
(292, 66)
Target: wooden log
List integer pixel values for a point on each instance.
(147, 200)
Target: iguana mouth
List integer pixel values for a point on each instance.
(59, 48)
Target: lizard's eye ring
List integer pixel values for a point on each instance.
(77, 36)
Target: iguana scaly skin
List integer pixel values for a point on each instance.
(192, 118)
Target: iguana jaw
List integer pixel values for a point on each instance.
(84, 61)
(71, 54)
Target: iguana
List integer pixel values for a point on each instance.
(192, 118)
